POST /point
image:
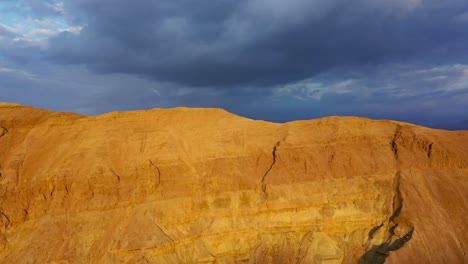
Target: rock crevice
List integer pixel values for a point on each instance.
(394, 144)
(274, 157)
(157, 173)
(396, 231)
(263, 185)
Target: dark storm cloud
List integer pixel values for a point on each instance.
(258, 42)
(419, 94)
(265, 59)
(15, 50)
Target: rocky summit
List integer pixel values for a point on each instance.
(206, 186)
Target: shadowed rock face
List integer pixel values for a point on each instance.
(205, 186)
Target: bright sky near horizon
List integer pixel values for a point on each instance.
(266, 59)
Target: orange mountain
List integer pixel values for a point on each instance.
(206, 186)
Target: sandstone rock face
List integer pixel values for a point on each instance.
(206, 186)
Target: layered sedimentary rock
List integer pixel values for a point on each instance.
(206, 186)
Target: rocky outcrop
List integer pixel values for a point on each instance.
(206, 186)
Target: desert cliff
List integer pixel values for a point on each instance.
(205, 186)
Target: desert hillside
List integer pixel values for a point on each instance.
(206, 186)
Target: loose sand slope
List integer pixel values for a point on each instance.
(205, 186)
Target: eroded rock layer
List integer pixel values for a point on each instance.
(206, 186)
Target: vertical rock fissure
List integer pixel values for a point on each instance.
(397, 204)
(263, 186)
(117, 176)
(7, 221)
(3, 131)
(157, 173)
(429, 151)
(377, 254)
(275, 148)
(91, 187)
(394, 142)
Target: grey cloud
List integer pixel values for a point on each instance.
(421, 94)
(264, 59)
(73, 88)
(19, 52)
(389, 92)
(258, 42)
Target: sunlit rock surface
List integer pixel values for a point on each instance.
(206, 186)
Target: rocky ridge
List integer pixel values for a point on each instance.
(205, 186)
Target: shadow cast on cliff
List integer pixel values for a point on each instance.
(379, 253)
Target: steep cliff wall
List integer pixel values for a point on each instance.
(205, 186)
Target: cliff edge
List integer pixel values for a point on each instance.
(206, 186)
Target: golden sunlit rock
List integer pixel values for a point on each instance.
(206, 186)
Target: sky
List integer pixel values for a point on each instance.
(273, 60)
